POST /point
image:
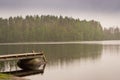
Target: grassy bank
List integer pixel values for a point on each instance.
(5, 77)
(10, 77)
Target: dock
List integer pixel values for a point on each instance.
(26, 61)
(22, 56)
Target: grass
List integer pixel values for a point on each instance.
(5, 77)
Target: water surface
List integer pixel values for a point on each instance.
(82, 61)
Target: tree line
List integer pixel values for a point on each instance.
(112, 33)
(51, 28)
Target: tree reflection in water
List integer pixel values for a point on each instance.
(56, 53)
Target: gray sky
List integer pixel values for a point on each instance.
(107, 12)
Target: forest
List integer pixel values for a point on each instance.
(53, 28)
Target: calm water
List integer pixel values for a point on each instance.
(72, 61)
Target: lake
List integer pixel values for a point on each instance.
(89, 60)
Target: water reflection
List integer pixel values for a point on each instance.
(68, 53)
(73, 61)
(10, 67)
(111, 49)
(58, 52)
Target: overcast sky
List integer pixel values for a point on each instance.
(107, 12)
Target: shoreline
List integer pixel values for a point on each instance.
(10, 77)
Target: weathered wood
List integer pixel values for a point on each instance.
(21, 56)
(23, 73)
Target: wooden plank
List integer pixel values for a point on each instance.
(20, 56)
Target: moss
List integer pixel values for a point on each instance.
(10, 77)
(5, 77)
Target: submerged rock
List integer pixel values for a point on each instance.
(29, 64)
